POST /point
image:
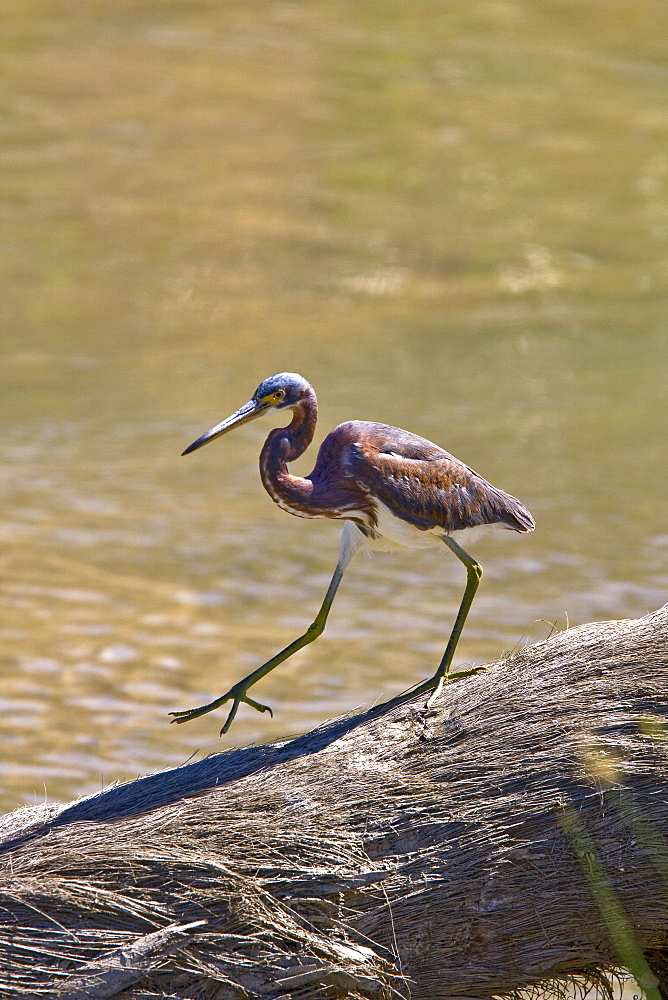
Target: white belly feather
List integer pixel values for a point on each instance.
(395, 533)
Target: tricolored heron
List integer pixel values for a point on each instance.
(390, 487)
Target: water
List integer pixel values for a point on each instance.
(453, 218)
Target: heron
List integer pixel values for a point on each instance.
(391, 488)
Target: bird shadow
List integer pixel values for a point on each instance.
(154, 791)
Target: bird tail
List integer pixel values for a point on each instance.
(518, 517)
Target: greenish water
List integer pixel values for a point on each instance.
(449, 217)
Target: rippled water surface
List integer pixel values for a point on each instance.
(449, 217)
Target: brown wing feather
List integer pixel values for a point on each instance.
(424, 485)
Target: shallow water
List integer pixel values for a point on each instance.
(453, 218)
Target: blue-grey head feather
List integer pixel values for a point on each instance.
(294, 386)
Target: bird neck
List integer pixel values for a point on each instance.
(283, 445)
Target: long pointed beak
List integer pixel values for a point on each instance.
(249, 411)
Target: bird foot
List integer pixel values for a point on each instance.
(450, 678)
(237, 694)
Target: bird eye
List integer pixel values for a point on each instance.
(279, 394)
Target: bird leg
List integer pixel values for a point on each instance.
(435, 684)
(473, 576)
(350, 542)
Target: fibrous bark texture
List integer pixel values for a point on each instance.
(511, 835)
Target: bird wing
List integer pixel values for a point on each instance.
(424, 485)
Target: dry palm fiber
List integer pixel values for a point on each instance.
(405, 852)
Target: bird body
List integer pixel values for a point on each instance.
(396, 487)
(391, 487)
(366, 471)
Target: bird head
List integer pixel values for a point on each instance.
(279, 392)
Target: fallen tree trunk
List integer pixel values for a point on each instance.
(512, 835)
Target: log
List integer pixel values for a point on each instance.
(512, 836)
